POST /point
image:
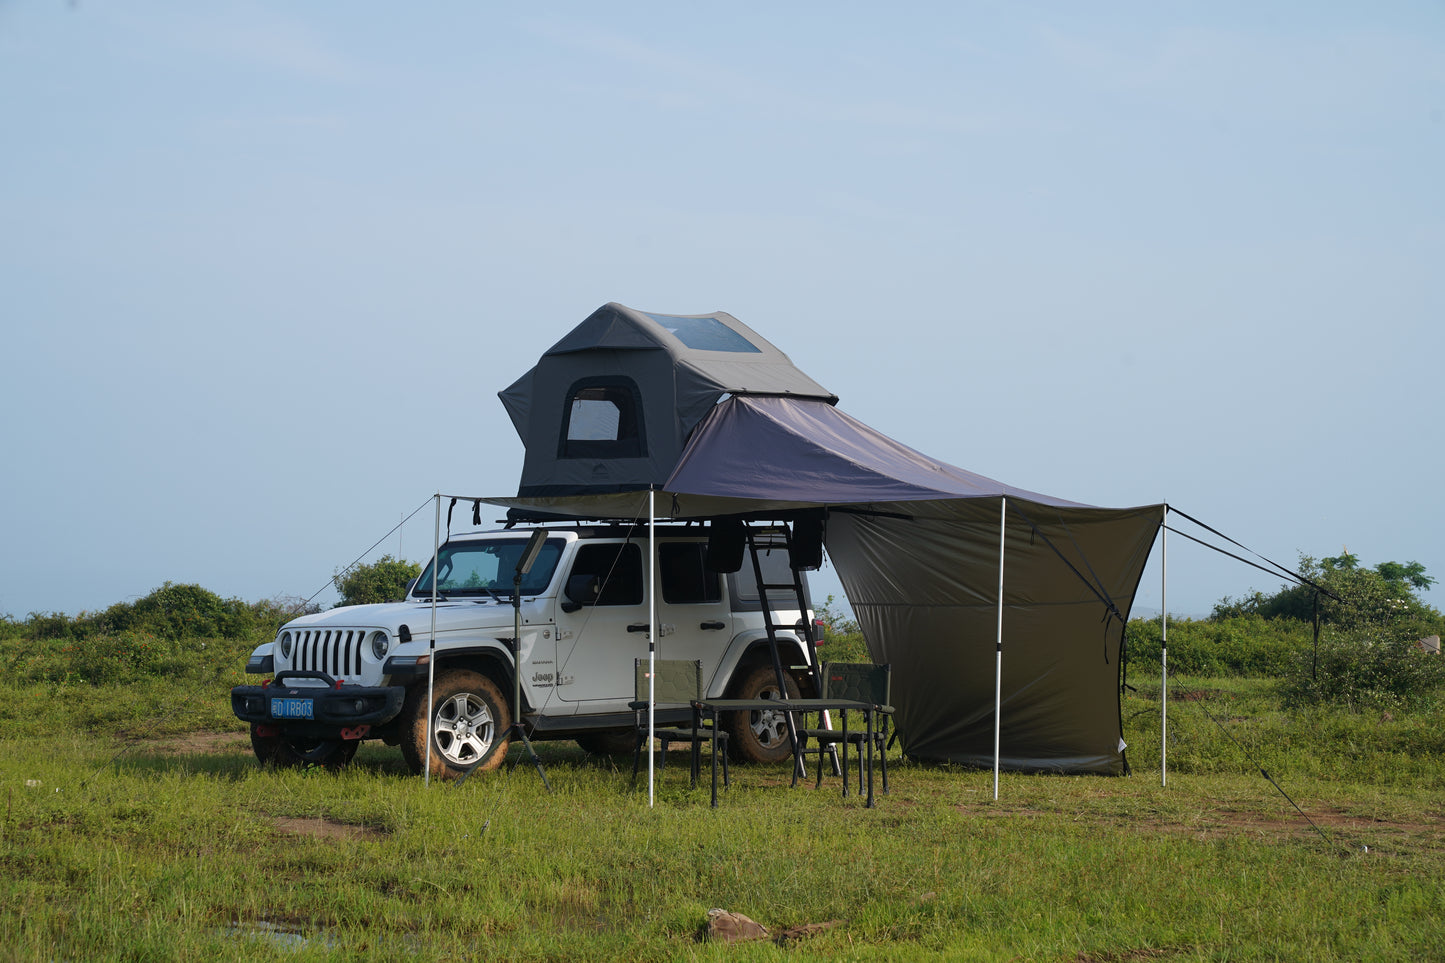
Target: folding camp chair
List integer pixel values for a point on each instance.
(860, 682)
(676, 683)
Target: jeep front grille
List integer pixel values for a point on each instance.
(337, 652)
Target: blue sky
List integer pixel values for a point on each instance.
(265, 266)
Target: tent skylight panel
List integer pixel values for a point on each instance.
(705, 334)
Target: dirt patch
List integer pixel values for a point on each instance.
(1351, 832)
(318, 828)
(195, 743)
(1193, 695)
(1128, 956)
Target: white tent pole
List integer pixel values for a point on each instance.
(651, 636)
(431, 670)
(1164, 654)
(998, 650)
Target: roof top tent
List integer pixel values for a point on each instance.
(610, 407)
(1001, 610)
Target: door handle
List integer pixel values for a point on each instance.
(714, 624)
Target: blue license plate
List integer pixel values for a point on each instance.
(291, 709)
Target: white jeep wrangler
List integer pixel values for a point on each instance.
(361, 672)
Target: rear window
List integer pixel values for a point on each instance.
(776, 571)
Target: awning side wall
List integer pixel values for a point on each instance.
(924, 590)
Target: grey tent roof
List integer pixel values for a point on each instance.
(916, 545)
(672, 369)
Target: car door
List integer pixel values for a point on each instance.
(696, 618)
(595, 649)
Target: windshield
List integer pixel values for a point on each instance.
(488, 568)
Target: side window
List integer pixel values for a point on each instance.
(685, 580)
(603, 420)
(617, 570)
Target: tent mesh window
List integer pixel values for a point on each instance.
(604, 420)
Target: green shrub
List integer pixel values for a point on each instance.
(106, 659)
(1241, 645)
(56, 625)
(384, 580)
(180, 612)
(844, 640)
(1365, 669)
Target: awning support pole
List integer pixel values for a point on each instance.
(998, 650)
(431, 661)
(1164, 657)
(651, 636)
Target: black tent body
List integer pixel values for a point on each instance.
(717, 422)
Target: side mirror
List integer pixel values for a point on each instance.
(580, 590)
(410, 584)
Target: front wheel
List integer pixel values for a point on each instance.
(761, 735)
(291, 752)
(470, 728)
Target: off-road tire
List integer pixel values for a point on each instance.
(760, 736)
(289, 752)
(472, 725)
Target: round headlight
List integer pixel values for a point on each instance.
(380, 645)
(286, 646)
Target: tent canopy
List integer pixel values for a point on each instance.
(916, 543)
(610, 406)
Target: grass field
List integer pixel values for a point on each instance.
(137, 826)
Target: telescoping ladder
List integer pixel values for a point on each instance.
(761, 540)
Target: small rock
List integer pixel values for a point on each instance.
(728, 927)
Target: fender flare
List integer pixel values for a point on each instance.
(751, 648)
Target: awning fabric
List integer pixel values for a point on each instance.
(916, 545)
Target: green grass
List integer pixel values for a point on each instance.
(123, 840)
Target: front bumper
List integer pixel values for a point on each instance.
(316, 709)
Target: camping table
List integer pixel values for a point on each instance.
(712, 707)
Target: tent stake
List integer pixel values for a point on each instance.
(998, 649)
(1164, 656)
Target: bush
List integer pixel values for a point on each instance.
(1365, 670)
(384, 580)
(1241, 645)
(1384, 595)
(844, 640)
(179, 612)
(106, 659)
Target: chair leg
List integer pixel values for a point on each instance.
(883, 758)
